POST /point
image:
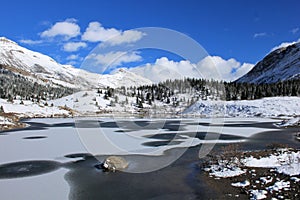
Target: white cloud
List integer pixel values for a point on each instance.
(218, 68)
(257, 35)
(113, 59)
(242, 70)
(67, 28)
(128, 36)
(31, 42)
(284, 44)
(211, 67)
(95, 32)
(295, 30)
(164, 69)
(73, 57)
(74, 46)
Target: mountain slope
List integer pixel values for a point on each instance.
(38, 66)
(280, 65)
(123, 77)
(44, 69)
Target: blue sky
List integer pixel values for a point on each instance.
(243, 30)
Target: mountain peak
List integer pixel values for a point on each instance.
(4, 40)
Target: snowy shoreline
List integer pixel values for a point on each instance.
(258, 174)
(16, 123)
(284, 108)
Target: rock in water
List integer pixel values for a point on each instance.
(113, 163)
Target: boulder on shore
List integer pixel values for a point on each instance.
(113, 163)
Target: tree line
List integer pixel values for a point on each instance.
(170, 91)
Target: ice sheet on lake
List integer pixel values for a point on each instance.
(64, 140)
(47, 187)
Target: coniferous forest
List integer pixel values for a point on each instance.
(13, 85)
(202, 89)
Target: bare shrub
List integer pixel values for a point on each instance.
(231, 155)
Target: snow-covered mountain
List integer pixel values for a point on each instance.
(43, 68)
(123, 77)
(279, 65)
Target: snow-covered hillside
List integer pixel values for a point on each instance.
(29, 109)
(93, 102)
(41, 67)
(266, 107)
(86, 103)
(122, 77)
(280, 65)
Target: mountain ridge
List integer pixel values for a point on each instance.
(42, 67)
(279, 65)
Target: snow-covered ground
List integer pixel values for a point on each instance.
(241, 184)
(30, 109)
(266, 107)
(258, 194)
(284, 161)
(9, 122)
(281, 161)
(224, 171)
(5, 121)
(91, 102)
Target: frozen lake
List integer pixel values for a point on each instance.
(55, 158)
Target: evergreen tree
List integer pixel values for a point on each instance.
(1, 109)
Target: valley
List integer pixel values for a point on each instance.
(165, 130)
